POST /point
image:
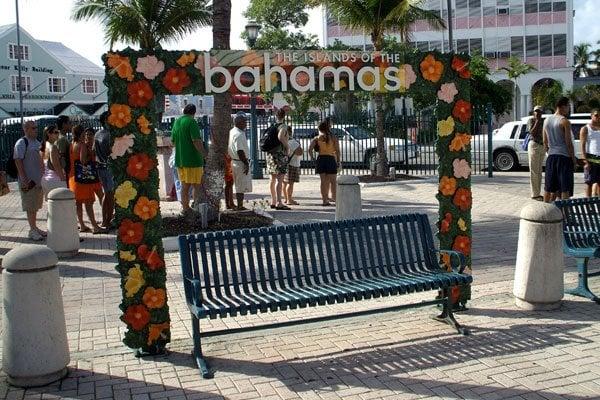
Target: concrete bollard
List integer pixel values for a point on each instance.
(348, 203)
(539, 273)
(63, 235)
(35, 347)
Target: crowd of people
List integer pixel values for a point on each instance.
(68, 156)
(553, 137)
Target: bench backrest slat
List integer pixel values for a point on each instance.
(580, 216)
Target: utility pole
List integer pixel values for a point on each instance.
(450, 38)
(19, 55)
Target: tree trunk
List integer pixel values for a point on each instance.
(379, 131)
(221, 121)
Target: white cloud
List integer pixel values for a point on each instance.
(586, 25)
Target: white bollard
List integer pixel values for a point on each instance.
(348, 203)
(35, 347)
(539, 273)
(392, 172)
(63, 235)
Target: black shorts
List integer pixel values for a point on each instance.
(559, 174)
(326, 165)
(592, 175)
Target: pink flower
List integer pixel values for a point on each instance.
(407, 76)
(150, 66)
(461, 168)
(121, 146)
(199, 64)
(447, 92)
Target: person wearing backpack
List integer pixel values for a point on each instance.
(30, 169)
(277, 161)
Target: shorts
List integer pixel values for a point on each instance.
(191, 176)
(326, 165)
(106, 179)
(242, 182)
(559, 174)
(32, 200)
(592, 175)
(292, 175)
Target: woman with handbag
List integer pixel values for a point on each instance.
(83, 179)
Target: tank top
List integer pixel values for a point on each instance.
(47, 156)
(326, 149)
(556, 136)
(593, 141)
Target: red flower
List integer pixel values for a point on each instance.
(137, 317)
(150, 257)
(445, 223)
(462, 111)
(462, 67)
(454, 294)
(462, 199)
(131, 232)
(140, 93)
(139, 166)
(462, 244)
(176, 79)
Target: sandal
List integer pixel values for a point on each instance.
(84, 229)
(98, 231)
(282, 207)
(326, 204)
(292, 203)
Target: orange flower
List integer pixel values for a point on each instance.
(462, 111)
(462, 244)
(446, 260)
(120, 115)
(447, 185)
(460, 142)
(145, 208)
(431, 68)
(186, 59)
(131, 232)
(139, 166)
(445, 223)
(121, 66)
(463, 199)
(139, 93)
(154, 298)
(137, 316)
(144, 124)
(155, 331)
(462, 67)
(150, 257)
(175, 80)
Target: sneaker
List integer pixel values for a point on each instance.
(41, 232)
(35, 235)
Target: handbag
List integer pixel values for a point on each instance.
(86, 173)
(525, 144)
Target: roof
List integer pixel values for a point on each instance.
(73, 61)
(6, 28)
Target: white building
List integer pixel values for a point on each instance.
(539, 32)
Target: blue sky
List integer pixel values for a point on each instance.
(586, 26)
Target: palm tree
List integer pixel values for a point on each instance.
(378, 17)
(146, 23)
(582, 58)
(516, 68)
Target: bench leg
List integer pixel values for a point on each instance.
(447, 315)
(197, 352)
(582, 289)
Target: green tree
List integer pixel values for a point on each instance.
(278, 13)
(581, 54)
(547, 93)
(516, 68)
(484, 90)
(144, 23)
(378, 17)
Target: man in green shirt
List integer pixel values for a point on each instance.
(189, 155)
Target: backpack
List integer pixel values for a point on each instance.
(269, 139)
(11, 166)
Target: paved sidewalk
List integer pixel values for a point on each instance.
(401, 355)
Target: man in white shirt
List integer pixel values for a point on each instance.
(238, 151)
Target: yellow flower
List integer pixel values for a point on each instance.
(446, 126)
(462, 224)
(134, 281)
(126, 255)
(124, 194)
(144, 124)
(186, 59)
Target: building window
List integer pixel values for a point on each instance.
(25, 82)
(531, 6)
(516, 46)
(435, 45)
(532, 46)
(13, 52)
(559, 6)
(491, 47)
(57, 85)
(462, 9)
(462, 45)
(545, 45)
(90, 86)
(545, 6)
(560, 45)
(475, 46)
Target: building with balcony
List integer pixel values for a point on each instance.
(54, 79)
(539, 32)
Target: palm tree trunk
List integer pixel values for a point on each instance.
(379, 131)
(221, 121)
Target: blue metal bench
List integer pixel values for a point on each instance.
(581, 233)
(305, 265)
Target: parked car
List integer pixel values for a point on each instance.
(507, 144)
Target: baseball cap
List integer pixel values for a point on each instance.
(538, 108)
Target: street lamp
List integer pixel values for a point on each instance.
(252, 29)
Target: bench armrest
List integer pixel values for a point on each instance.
(590, 238)
(458, 256)
(195, 290)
